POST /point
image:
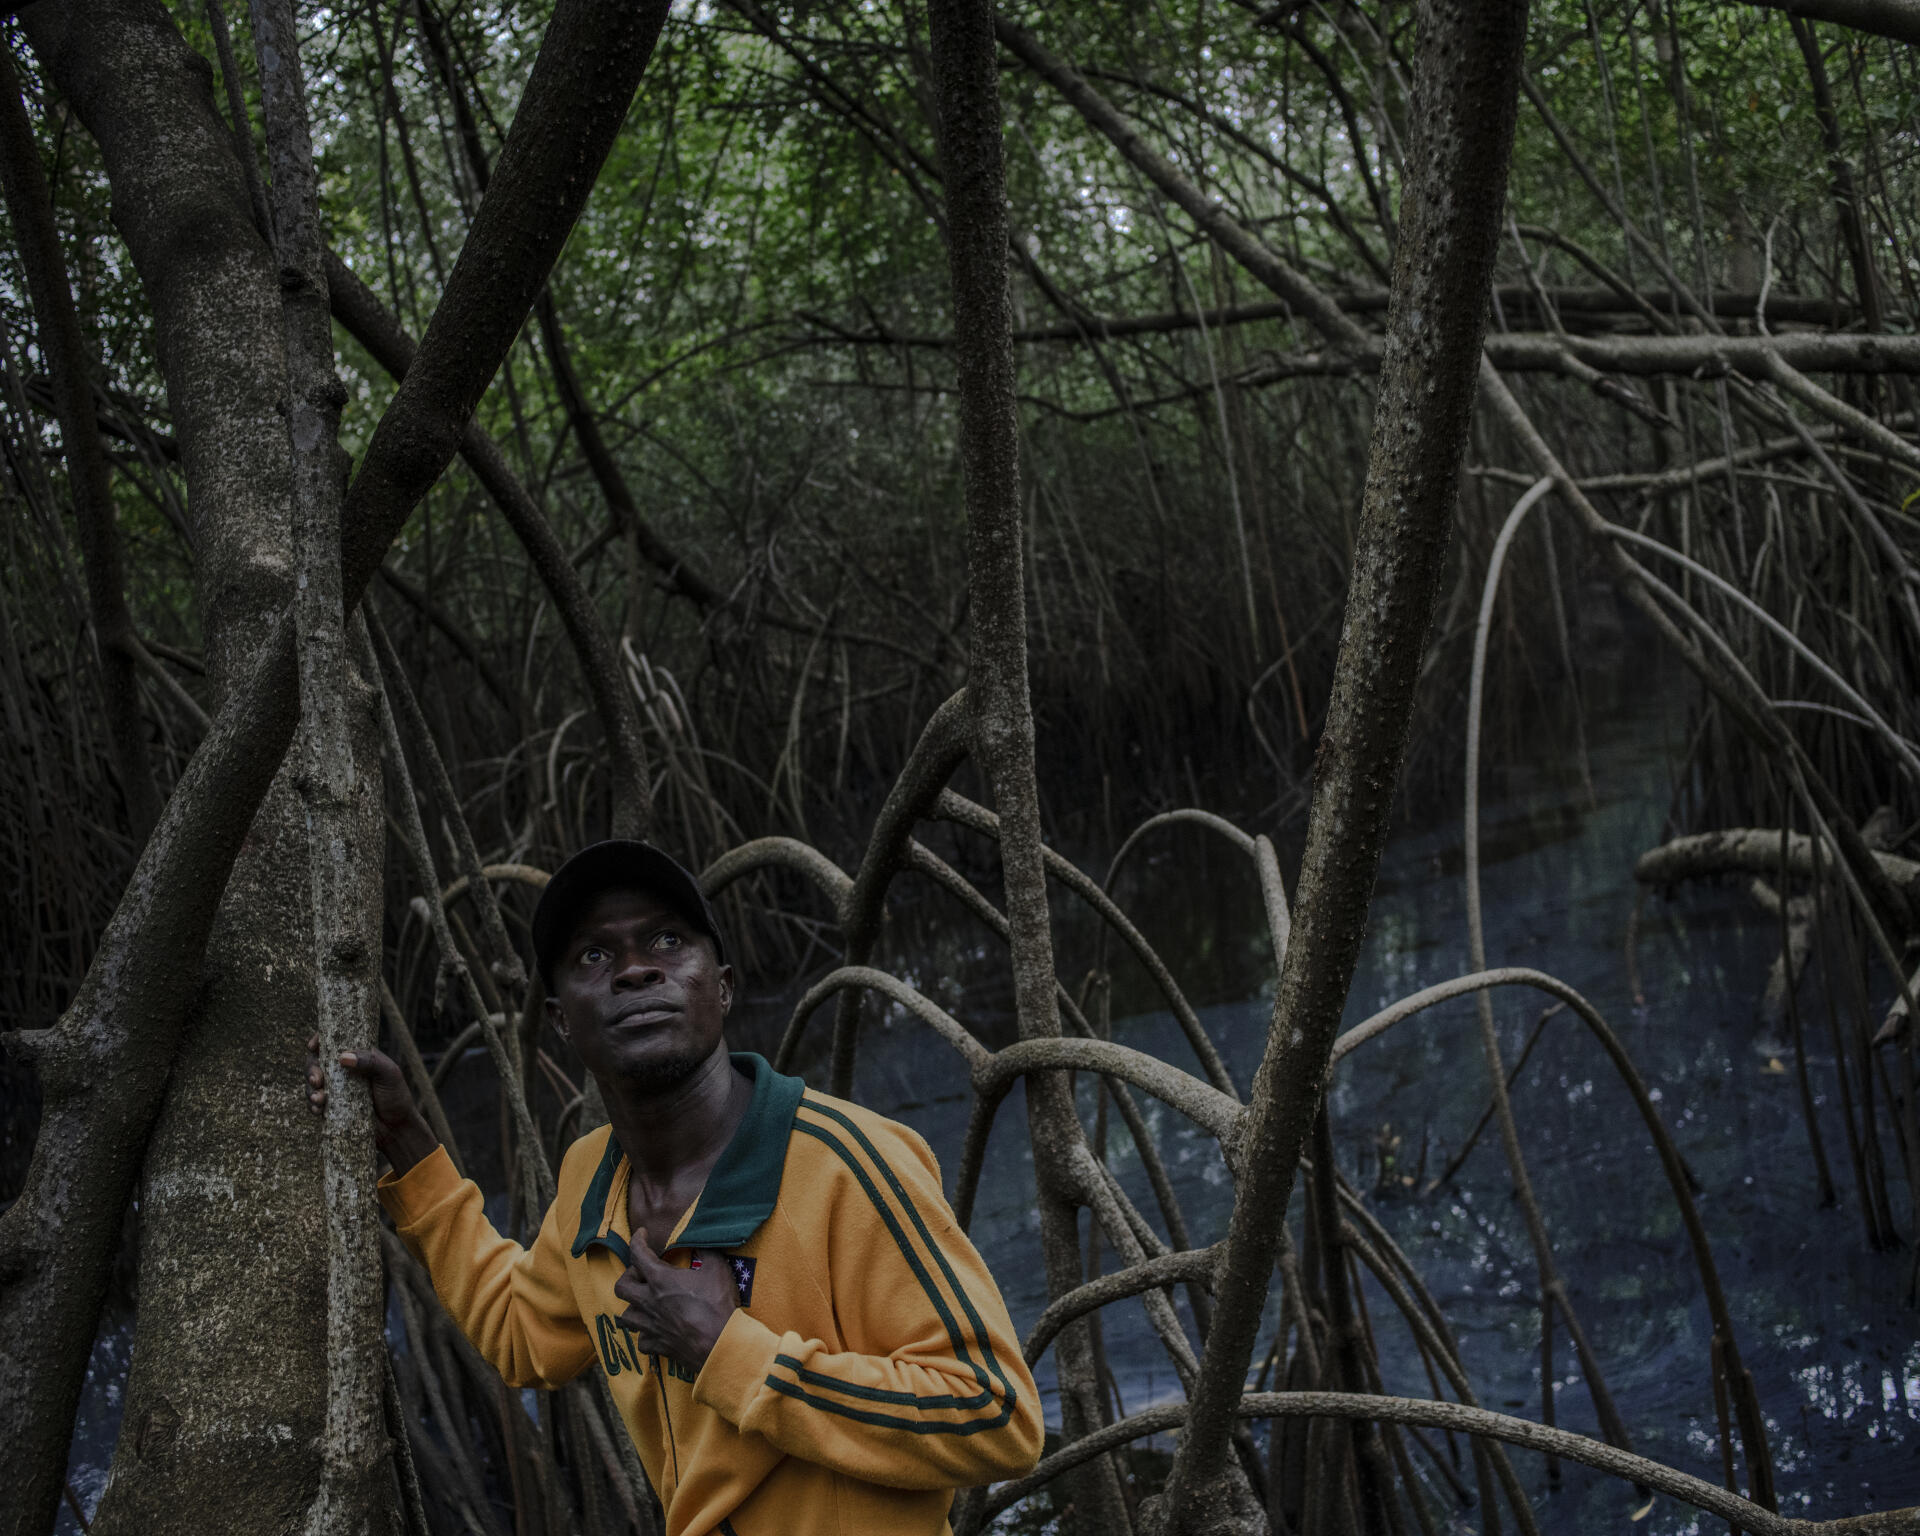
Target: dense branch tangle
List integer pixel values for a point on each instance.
(761, 577)
(1198, 245)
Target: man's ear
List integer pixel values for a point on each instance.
(726, 989)
(557, 1019)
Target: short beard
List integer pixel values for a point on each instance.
(663, 1074)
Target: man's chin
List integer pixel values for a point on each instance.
(656, 1072)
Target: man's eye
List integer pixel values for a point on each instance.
(593, 954)
(668, 939)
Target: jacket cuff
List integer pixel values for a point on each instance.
(738, 1367)
(415, 1193)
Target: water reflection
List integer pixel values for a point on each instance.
(1820, 1320)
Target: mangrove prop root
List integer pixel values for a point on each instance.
(1714, 1500)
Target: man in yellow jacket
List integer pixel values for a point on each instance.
(799, 1337)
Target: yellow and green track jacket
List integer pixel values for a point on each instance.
(870, 1370)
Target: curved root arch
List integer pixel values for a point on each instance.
(963, 812)
(518, 874)
(1259, 848)
(993, 1072)
(787, 853)
(922, 1007)
(1427, 1413)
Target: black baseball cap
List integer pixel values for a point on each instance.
(616, 864)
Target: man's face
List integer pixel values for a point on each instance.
(639, 992)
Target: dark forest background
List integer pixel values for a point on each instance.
(725, 444)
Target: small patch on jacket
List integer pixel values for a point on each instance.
(742, 1276)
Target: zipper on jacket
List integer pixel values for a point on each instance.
(666, 1408)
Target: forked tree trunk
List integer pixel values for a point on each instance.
(105, 1065)
(1466, 77)
(368, 321)
(965, 70)
(225, 1400)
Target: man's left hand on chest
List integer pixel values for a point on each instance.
(676, 1312)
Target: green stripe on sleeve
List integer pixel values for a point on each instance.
(954, 1335)
(888, 1420)
(878, 1394)
(953, 1281)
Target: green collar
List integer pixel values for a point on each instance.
(740, 1192)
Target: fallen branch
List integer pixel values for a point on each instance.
(1753, 851)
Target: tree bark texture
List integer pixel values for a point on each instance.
(974, 173)
(1465, 80)
(30, 208)
(104, 1067)
(338, 775)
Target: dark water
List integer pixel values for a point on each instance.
(1820, 1319)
